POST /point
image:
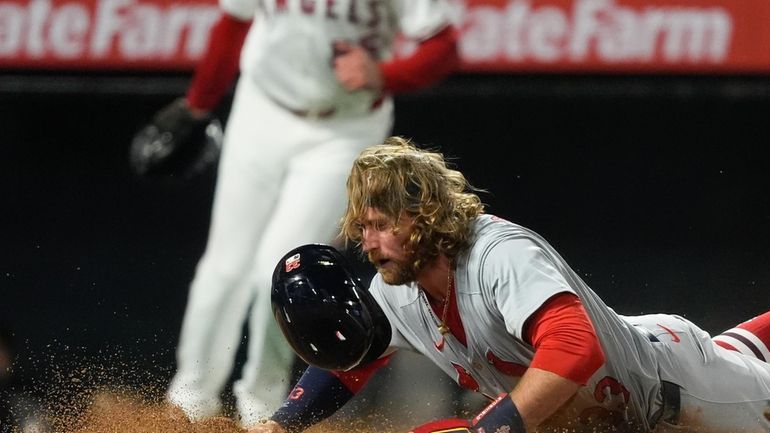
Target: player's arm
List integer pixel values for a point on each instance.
(541, 309)
(567, 353)
(433, 59)
(318, 394)
(217, 69)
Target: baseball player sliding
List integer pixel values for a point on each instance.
(497, 308)
(314, 90)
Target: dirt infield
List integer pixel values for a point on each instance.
(118, 412)
(129, 414)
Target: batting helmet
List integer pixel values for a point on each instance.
(326, 314)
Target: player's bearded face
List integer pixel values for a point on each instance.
(384, 243)
(394, 271)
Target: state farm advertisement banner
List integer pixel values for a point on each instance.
(616, 35)
(637, 36)
(104, 34)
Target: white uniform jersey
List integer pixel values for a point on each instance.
(289, 50)
(507, 274)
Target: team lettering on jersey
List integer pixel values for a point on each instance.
(614, 398)
(368, 13)
(508, 368)
(464, 378)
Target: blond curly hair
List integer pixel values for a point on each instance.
(398, 178)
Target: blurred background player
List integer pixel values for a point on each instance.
(314, 90)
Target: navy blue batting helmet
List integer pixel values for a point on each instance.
(326, 314)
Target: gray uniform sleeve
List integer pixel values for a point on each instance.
(520, 278)
(397, 340)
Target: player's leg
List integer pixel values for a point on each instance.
(751, 337)
(219, 296)
(312, 200)
(721, 391)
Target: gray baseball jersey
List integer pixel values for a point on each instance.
(507, 274)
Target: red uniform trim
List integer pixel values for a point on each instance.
(220, 64)
(564, 340)
(433, 59)
(356, 378)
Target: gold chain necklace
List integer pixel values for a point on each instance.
(443, 328)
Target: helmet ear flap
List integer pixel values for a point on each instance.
(325, 313)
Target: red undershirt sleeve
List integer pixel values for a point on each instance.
(564, 340)
(356, 378)
(433, 59)
(219, 66)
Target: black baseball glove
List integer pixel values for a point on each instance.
(176, 144)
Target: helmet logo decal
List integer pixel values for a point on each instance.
(292, 263)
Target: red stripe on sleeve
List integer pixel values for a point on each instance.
(433, 59)
(219, 66)
(564, 340)
(356, 378)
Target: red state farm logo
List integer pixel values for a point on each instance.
(292, 263)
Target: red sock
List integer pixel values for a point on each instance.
(751, 337)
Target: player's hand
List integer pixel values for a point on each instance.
(354, 68)
(268, 426)
(449, 425)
